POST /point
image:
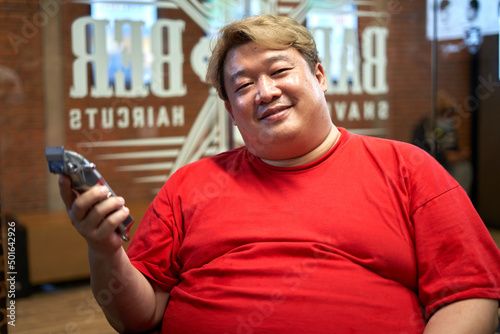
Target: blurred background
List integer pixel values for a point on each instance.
(122, 83)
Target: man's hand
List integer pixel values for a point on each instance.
(132, 303)
(95, 216)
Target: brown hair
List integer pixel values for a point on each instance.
(270, 31)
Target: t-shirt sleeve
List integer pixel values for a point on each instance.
(155, 244)
(456, 257)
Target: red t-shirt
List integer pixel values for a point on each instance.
(371, 238)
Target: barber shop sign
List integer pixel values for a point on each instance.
(141, 57)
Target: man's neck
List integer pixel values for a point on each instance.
(330, 141)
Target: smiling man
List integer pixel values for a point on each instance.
(306, 229)
(275, 98)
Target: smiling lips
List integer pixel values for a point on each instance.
(272, 111)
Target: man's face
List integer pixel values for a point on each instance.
(276, 101)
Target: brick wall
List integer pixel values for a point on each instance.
(23, 170)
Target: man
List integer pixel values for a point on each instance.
(443, 141)
(306, 229)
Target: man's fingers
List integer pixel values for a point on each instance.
(94, 213)
(87, 200)
(111, 222)
(104, 208)
(67, 194)
(101, 222)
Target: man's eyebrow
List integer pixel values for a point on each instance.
(235, 76)
(276, 58)
(267, 61)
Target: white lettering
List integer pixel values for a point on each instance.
(132, 56)
(349, 80)
(375, 60)
(178, 115)
(124, 121)
(340, 110)
(75, 119)
(351, 111)
(138, 120)
(173, 59)
(354, 114)
(167, 75)
(369, 110)
(383, 110)
(91, 112)
(162, 117)
(98, 57)
(358, 73)
(150, 111)
(123, 117)
(107, 118)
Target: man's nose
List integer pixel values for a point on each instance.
(266, 90)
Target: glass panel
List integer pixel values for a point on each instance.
(465, 70)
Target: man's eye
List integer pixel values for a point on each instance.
(242, 86)
(281, 70)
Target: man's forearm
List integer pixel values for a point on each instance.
(469, 316)
(125, 295)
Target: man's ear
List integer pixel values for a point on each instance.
(230, 111)
(319, 72)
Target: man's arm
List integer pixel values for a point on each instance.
(469, 316)
(129, 300)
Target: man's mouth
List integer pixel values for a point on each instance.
(273, 112)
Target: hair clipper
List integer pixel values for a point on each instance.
(83, 174)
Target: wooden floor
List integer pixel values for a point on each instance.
(62, 309)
